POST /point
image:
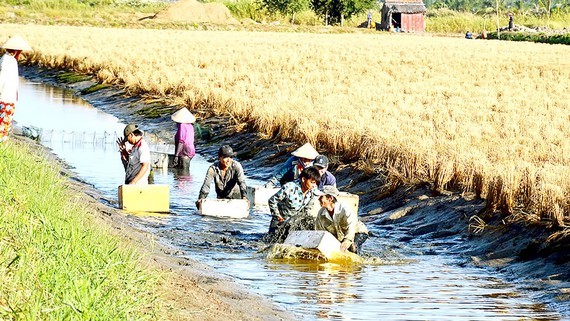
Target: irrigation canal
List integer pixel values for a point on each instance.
(400, 281)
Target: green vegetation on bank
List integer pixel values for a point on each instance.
(562, 39)
(56, 263)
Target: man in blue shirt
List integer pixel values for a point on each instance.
(302, 157)
(321, 162)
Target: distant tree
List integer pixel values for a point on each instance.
(336, 11)
(285, 7)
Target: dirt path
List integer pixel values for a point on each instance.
(536, 257)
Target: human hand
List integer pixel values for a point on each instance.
(248, 203)
(280, 219)
(122, 147)
(199, 204)
(344, 245)
(176, 161)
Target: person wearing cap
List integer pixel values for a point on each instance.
(301, 158)
(321, 162)
(184, 138)
(228, 177)
(9, 82)
(135, 155)
(340, 220)
(293, 198)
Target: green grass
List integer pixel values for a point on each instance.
(70, 77)
(94, 88)
(563, 39)
(448, 21)
(55, 262)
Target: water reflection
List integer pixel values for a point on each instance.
(398, 286)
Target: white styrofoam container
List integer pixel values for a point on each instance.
(259, 195)
(159, 160)
(233, 208)
(323, 241)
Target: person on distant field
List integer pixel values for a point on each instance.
(9, 80)
(340, 221)
(228, 177)
(135, 155)
(468, 35)
(369, 19)
(321, 162)
(294, 198)
(183, 139)
(302, 158)
(511, 22)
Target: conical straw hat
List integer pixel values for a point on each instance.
(16, 43)
(183, 116)
(305, 151)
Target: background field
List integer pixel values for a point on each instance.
(483, 116)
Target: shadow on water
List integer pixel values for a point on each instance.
(396, 282)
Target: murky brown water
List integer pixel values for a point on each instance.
(398, 282)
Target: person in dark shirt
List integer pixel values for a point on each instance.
(228, 177)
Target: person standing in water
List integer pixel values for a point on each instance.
(183, 139)
(135, 155)
(9, 80)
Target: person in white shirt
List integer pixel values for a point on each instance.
(9, 82)
(135, 155)
(340, 220)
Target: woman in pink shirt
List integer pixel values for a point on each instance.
(184, 138)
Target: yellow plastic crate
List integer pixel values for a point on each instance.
(144, 198)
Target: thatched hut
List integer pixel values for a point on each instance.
(403, 15)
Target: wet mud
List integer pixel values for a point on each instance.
(444, 223)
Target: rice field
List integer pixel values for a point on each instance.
(484, 116)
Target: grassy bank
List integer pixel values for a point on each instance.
(56, 263)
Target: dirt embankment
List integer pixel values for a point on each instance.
(537, 257)
(194, 11)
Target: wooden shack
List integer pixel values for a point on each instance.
(403, 16)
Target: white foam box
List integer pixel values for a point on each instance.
(159, 160)
(351, 200)
(144, 198)
(323, 241)
(259, 195)
(233, 208)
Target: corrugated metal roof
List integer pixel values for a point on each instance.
(406, 7)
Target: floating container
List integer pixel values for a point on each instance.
(259, 195)
(324, 243)
(144, 198)
(161, 160)
(233, 208)
(351, 200)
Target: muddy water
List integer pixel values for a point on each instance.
(400, 281)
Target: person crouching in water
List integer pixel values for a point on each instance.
(293, 198)
(136, 159)
(301, 158)
(228, 177)
(340, 221)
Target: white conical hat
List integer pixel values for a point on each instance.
(183, 116)
(16, 43)
(305, 151)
